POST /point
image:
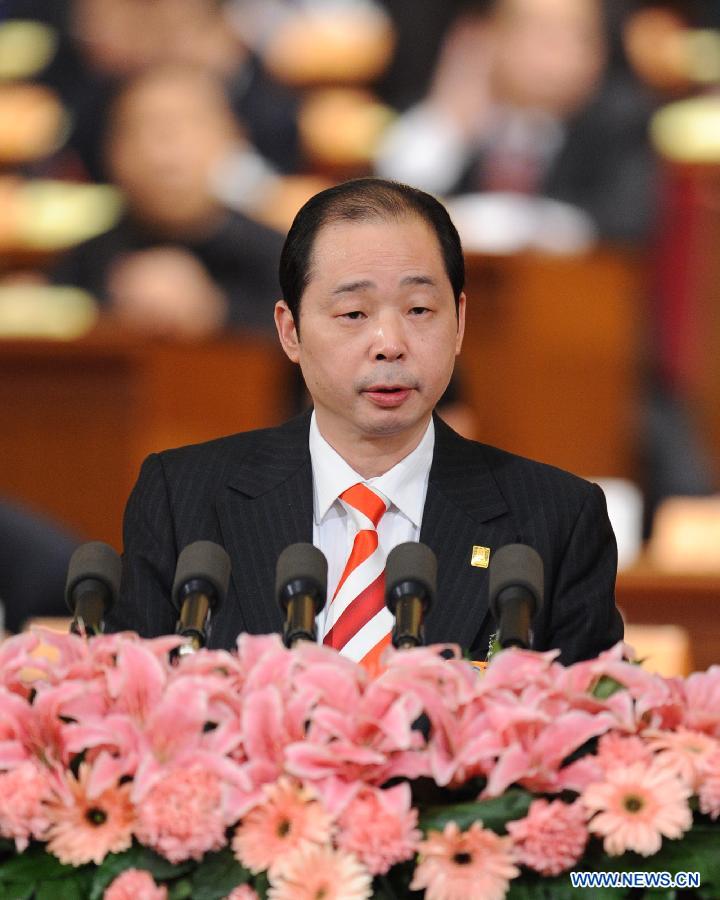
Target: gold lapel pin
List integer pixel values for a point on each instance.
(480, 557)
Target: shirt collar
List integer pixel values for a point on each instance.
(403, 485)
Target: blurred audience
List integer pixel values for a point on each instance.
(197, 110)
(179, 263)
(524, 100)
(103, 42)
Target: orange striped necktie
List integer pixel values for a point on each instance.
(360, 623)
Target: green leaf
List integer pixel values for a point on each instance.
(606, 686)
(71, 888)
(161, 868)
(33, 866)
(262, 885)
(181, 890)
(493, 813)
(217, 875)
(706, 893)
(18, 892)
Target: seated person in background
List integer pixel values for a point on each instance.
(34, 556)
(372, 276)
(179, 263)
(523, 100)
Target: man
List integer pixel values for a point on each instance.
(532, 97)
(179, 263)
(373, 312)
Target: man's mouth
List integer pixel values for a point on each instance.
(387, 395)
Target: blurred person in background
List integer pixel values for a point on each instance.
(524, 100)
(34, 556)
(104, 42)
(179, 263)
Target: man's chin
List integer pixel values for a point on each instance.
(393, 422)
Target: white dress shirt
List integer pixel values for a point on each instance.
(405, 486)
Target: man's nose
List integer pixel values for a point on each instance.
(389, 338)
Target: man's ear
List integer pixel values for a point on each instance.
(287, 332)
(461, 323)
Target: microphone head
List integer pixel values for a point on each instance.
(203, 561)
(516, 565)
(301, 569)
(410, 568)
(96, 560)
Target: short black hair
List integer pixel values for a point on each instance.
(360, 200)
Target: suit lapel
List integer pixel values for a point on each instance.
(464, 508)
(266, 505)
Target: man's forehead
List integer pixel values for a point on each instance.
(341, 238)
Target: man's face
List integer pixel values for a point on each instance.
(549, 54)
(378, 328)
(169, 133)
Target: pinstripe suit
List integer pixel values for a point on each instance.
(252, 493)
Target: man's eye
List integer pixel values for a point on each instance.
(419, 310)
(354, 314)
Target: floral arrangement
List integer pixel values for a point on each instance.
(293, 775)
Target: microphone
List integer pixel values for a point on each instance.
(410, 585)
(301, 588)
(92, 586)
(202, 576)
(516, 593)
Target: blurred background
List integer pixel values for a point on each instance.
(154, 152)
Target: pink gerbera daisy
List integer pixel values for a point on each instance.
(379, 827)
(709, 790)
(551, 838)
(182, 814)
(312, 872)
(459, 865)
(135, 884)
(683, 752)
(23, 792)
(85, 829)
(636, 806)
(290, 814)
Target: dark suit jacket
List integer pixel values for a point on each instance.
(605, 164)
(252, 493)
